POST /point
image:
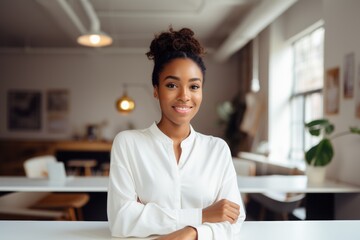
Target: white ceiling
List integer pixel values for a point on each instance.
(56, 24)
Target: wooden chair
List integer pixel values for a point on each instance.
(86, 164)
(17, 206)
(71, 203)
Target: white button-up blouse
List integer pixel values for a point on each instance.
(151, 194)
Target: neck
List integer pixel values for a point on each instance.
(176, 132)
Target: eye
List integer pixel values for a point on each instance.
(194, 87)
(170, 85)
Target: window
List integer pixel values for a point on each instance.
(306, 99)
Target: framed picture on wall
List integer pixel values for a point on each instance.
(24, 110)
(332, 91)
(357, 100)
(57, 107)
(349, 75)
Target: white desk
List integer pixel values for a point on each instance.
(280, 183)
(72, 184)
(320, 199)
(284, 230)
(258, 184)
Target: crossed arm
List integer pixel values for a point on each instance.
(221, 211)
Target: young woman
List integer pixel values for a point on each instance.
(168, 179)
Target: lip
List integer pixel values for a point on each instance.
(182, 109)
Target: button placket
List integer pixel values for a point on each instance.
(178, 185)
(175, 173)
(181, 164)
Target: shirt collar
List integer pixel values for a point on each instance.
(165, 139)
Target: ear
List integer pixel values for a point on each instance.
(156, 92)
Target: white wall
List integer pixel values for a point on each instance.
(302, 15)
(279, 92)
(342, 36)
(95, 82)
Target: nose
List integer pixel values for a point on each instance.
(183, 94)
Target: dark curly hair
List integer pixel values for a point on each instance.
(171, 45)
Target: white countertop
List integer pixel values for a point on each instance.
(258, 184)
(277, 230)
(293, 183)
(72, 184)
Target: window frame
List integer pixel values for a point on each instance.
(303, 96)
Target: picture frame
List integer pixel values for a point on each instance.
(24, 110)
(357, 100)
(349, 75)
(332, 91)
(57, 108)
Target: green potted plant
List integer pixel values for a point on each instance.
(321, 154)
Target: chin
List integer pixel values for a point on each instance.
(181, 122)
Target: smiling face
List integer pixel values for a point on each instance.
(179, 92)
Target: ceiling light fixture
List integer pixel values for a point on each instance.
(94, 38)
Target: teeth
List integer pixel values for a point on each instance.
(182, 109)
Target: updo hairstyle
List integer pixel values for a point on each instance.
(171, 45)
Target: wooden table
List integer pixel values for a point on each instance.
(87, 164)
(13, 153)
(284, 230)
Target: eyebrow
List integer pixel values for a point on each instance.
(170, 77)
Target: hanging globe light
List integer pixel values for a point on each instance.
(125, 104)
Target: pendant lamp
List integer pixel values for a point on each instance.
(125, 104)
(95, 37)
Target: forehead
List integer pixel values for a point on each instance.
(182, 66)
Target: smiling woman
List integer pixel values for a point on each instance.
(179, 93)
(168, 179)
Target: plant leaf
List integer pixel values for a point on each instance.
(315, 127)
(309, 155)
(355, 130)
(317, 122)
(320, 154)
(329, 128)
(314, 132)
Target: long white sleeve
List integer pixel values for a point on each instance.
(224, 230)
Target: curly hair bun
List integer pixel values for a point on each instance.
(174, 41)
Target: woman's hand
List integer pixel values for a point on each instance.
(223, 210)
(187, 233)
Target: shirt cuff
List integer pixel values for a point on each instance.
(189, 217)
(204, 232)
